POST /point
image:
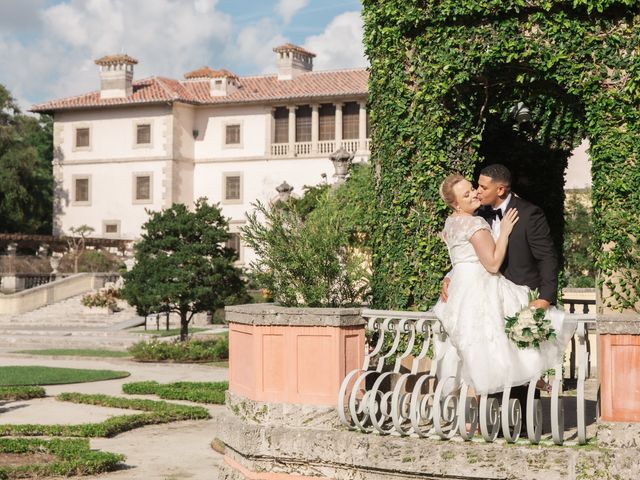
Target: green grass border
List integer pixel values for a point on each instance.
(156, 412)
(199, 392)
(21, 393)
(73, 457)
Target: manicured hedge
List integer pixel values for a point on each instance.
(73, 457)
(21, 393)
(211, 350)
(157, 412)
(200, 392)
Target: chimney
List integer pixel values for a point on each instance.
(292, 61)
(116, 76)
(221, 82)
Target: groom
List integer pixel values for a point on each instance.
(531, 258)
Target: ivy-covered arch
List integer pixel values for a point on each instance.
(445, 75)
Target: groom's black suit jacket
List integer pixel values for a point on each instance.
(531, 258)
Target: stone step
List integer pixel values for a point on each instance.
(41, 342)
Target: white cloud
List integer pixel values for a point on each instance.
(340, 45)
(254, 45)
(168, 37)
(288, 8)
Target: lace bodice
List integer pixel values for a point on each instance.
(456, 234)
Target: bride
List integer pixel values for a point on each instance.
(479, 298)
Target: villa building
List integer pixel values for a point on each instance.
(138, 145)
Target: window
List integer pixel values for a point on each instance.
(350, 120)
(232, 187)
(281, 120)
(327, 122)
(303, 124)
(232, 135)
(81, 190)
(142, 188)
(82, 137)
(111, 228)
(233, 242)
(143, 134)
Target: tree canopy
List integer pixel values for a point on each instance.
(182, 264)
(26, 179)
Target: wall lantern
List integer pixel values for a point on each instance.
(521, 114)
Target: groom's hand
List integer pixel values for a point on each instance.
(445, 288)
(540, 303)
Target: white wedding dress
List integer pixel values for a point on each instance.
(477, 348)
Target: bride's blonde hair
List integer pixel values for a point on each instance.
(446, 188)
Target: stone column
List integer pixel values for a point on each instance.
(338, 126)
(270, 131)
(362, 126)
(292, 130)
(315, 127)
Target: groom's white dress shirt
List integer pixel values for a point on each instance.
(495, 223)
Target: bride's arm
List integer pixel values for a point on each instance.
(491, 254)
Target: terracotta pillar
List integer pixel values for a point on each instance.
(619, 367)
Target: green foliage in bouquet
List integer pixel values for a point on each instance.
(529, 327)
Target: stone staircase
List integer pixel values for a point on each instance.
(66, 324)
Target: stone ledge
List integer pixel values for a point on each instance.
(621, 324)
(282, 414)
(271, 314)
(619, 435)
(343, 454)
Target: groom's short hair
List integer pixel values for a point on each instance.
(498, 173)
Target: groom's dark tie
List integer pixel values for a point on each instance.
(492, 214)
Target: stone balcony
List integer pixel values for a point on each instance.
(320, 148)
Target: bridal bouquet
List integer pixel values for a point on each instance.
(530, 326)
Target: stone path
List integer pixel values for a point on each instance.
(174, 451)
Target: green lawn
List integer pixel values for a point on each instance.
(76, 352)
(36, 375)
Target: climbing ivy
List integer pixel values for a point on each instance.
(445, 76)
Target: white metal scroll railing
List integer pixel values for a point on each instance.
(381, 397)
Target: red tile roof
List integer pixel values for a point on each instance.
(207, 72)
(258, 89)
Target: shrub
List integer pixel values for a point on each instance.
(314, 253)
(211, 350)
(105, 297)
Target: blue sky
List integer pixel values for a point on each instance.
(47, 47)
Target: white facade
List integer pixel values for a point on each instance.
(114, 162)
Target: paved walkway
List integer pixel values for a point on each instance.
(174, 451)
